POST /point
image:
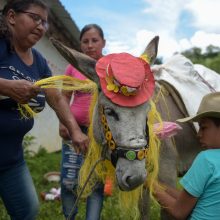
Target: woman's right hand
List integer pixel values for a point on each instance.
(21, 90)
(64, 133)
(80, 141)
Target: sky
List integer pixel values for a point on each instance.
(129, 25)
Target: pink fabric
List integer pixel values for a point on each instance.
(128, 71)
(166, 129)
(80, 105)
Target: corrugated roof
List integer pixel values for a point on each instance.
(64, 17)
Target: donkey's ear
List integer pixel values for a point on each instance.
(151, 50)
(82, 62)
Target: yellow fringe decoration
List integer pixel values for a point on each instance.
(67, 83)
(26, 111)
(104, 168)
(152, 162)
(128, 201)
(145, 58)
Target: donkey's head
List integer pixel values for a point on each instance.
(119, 122)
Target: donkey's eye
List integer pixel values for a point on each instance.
(112, 113)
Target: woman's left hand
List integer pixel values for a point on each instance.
(80, 141)
(61, 106)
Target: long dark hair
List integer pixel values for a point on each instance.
(17, 6)
(90, 26)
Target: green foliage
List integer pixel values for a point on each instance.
(43, 162)
(27, 142)
(210, 59)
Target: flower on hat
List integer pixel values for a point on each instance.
(127, 91)
(125, 79)
(114, 86)
(110, 84)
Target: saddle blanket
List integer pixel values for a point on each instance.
(192, 81)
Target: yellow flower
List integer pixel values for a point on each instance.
(111, 145)
(108, 135)
(110, 87)
(124, 91)
(110, 84)
(116, 89)
(103, 119)
(141, 155)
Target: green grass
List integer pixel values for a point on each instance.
(44, 162)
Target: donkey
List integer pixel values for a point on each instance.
(119, 124)
(128, 126)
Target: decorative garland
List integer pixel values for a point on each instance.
(67, 83)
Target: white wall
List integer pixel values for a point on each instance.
(46, 123)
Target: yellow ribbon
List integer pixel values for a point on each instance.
(145, 57)
(63, 82)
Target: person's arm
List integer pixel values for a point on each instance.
(175, 193)
(179, 204)
(67, 95)
(19, 90)
(59, 104)
(63, 131)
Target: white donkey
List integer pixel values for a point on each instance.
(120, 123)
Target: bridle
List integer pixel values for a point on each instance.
(116, 151)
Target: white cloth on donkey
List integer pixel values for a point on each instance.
(209, 75)
(191, 81)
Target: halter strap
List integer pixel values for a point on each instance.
(117, 151)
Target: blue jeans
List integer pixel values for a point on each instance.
(71, 163)
(18, 193)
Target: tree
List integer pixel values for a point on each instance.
(210, 59)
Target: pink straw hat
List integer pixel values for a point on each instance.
(125, 79)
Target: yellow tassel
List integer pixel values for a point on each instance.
(66, 83)
(154, 149)
(61, 82)
(26, 111)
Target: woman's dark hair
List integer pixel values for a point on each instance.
(22, 5)
(17, 6)
(4, 31)
(90, 26)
